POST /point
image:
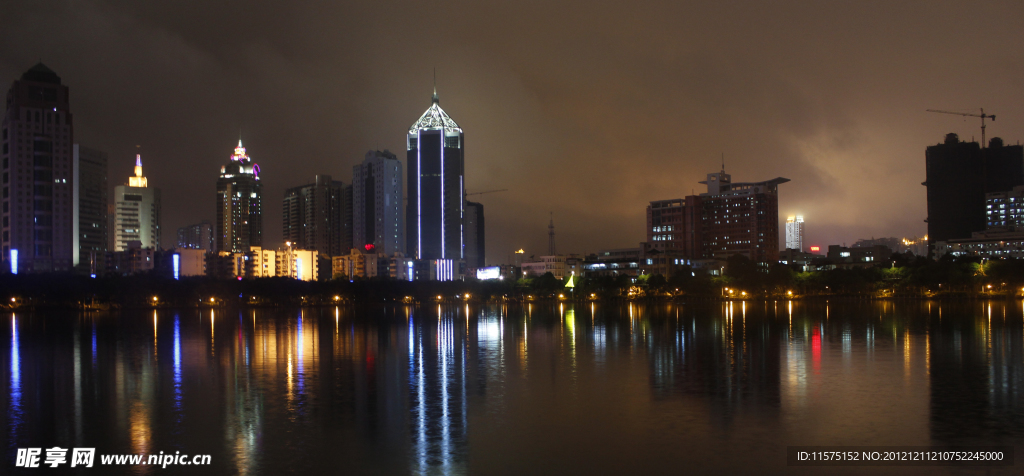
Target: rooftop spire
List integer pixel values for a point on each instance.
(434, 99)
(138, 180)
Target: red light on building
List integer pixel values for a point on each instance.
(815, 249)
(369, 247)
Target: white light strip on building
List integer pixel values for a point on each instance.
(462, 219)
(419, 198)
(442, 196)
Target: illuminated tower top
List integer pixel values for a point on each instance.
(239, 155)
(138, 180)
(435, 118)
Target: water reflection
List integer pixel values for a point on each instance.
(14, 419)
(449, 389)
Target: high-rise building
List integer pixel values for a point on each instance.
(138, 212)
(475, 250)
(38, 175)
(729, 219)
(239, 204)
(795, 233)
(958, 175)
(377, 203)
(197, 237)
(90, 209)
(314, 214)
(434, 215)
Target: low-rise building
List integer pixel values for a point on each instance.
(994, 243)
(862, 256)
(614, 262)
(261, 263)
(299, 264)
(134, 259)
(190, 262)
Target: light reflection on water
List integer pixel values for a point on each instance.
(589, 388)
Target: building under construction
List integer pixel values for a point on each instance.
(958, 175)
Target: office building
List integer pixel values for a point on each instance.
(665, 226)
(38, 176)
(729, 219)
(313, 217)
(239, 211)
(434, 215)
(958, 175)
(795, 233)
(89, 216)
(377, 203)
(137, 208)
(740, 218)
(475, 236)
(198, 236)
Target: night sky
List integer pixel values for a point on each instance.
(586, 109)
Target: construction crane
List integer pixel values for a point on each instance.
(489, 191)
(983, 116)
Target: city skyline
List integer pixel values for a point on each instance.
(842, 116)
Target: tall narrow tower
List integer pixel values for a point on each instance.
(436, 206)
(551, 235)
(795, 233)
(377, 203)
(239, 210)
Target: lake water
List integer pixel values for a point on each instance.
(538, 389)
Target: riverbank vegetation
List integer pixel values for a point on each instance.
(902, 276)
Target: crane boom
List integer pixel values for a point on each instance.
(488, 191)
(983, 116)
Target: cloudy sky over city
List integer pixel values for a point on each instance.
(587, 110)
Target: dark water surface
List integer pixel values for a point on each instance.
(542, 389)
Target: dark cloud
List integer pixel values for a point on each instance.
(585, 109)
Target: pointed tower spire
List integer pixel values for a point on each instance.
(551, 234)
(138, 180)
(434, 99)
(723, 162)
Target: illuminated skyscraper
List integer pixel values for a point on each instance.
(239, 210)
(795, 233)
(434, 215)
(377, 203)
(137, 208)
(38, 177)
